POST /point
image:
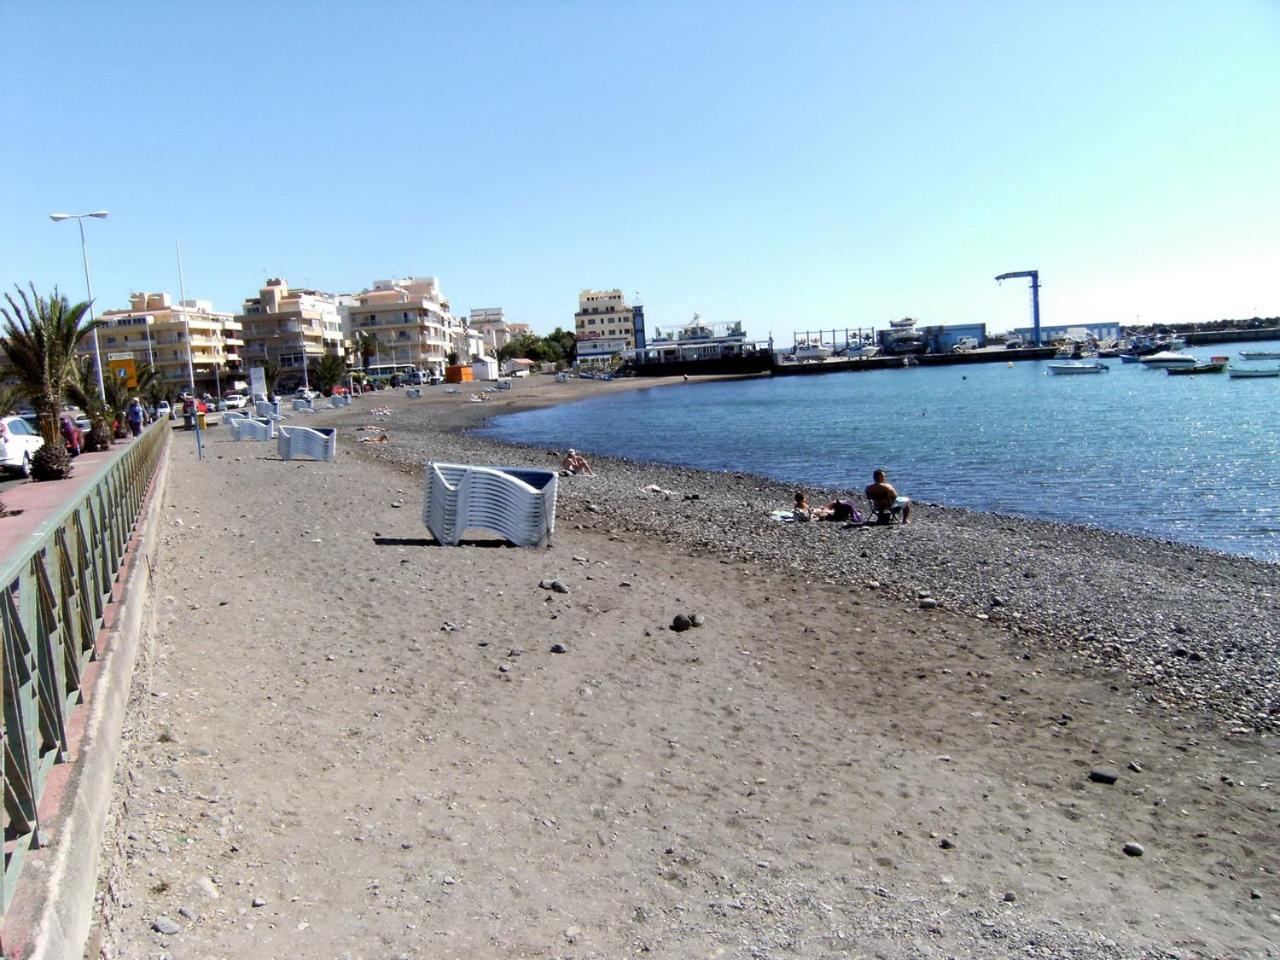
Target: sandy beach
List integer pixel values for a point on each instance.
(973, 736)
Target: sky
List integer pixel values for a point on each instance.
(794, 166)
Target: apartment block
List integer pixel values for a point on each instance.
(493, 328)
(605, 315)
(411, 323)
(156, 332)
(293, 328)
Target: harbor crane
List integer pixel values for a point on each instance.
(1035, 299)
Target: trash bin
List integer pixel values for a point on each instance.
(200, 421)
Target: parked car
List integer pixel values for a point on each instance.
(305, 393)
(236, 401)
(18, 443)
(965, 344)
(163, 410)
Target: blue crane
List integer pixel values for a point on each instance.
(1035, 299)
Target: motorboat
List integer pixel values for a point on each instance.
(813, 351)
(1078, 366)
(1252, 373)
(1215, 365)
(1259, 355)
(1168, 358)
(862, 351)
(1129, 358)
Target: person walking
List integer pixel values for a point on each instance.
(134, 415)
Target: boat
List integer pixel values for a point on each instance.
(1259, 355)
(1213, 366)
(1168, 358)
(902, 338)
(1078, 366)
(1129, 358)
(1251, 373)
(813, 351)
(862, 351)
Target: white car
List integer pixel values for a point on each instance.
(235, 401)
(163, 410)
(305, 393)
(18, 443)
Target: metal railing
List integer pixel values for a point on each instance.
(57, 586)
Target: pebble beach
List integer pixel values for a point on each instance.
(720, 735)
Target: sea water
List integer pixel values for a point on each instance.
(1194, 459)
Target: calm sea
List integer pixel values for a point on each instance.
(1194, 459)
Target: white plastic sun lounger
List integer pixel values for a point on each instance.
(518, 503)
(246, 428)
(319, 444)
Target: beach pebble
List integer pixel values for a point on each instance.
(928, 603)
(166, 925)
(697, 620)
(259, 902)
(187, 913)
(946, 843)
(680, 623)
(1135, 766)
(559, 648)
(1104, 775)
(1132, 849)
(558, 586)
(1009, 896)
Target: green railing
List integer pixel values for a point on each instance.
(57, 587)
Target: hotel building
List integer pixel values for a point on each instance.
(411, 322)
(154, 331)
(605, 326)
(290, 327)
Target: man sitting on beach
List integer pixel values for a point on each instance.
(885, 499)
(575, 463)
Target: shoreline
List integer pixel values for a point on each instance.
(506, 770)
(1191, 627)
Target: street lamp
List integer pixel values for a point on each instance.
(84, 251)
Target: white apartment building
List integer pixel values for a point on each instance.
(604, 315)
(411, 322)
(294, 328)
(154, 331)
(493, 327)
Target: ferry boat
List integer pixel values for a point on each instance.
(1259, 355)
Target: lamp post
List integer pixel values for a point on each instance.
(84, 252)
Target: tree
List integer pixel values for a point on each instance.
(367, 345)
(328, 372)
(40, 338)
(271, 375)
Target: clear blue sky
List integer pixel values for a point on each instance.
(789, 165)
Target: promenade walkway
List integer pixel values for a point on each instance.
(349, 742)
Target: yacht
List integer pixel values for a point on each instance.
(1168, 358)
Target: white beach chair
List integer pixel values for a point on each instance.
(320, 443)
(252, 428)
(517, 502)
(337, 401)
(266, 408)
(300, 404)
(413, 393)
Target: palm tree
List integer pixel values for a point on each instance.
(328, 372)
(271, 375)
(40, 338)
(367, 346)
(12, 396)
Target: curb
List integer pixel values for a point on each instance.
(50, 919)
